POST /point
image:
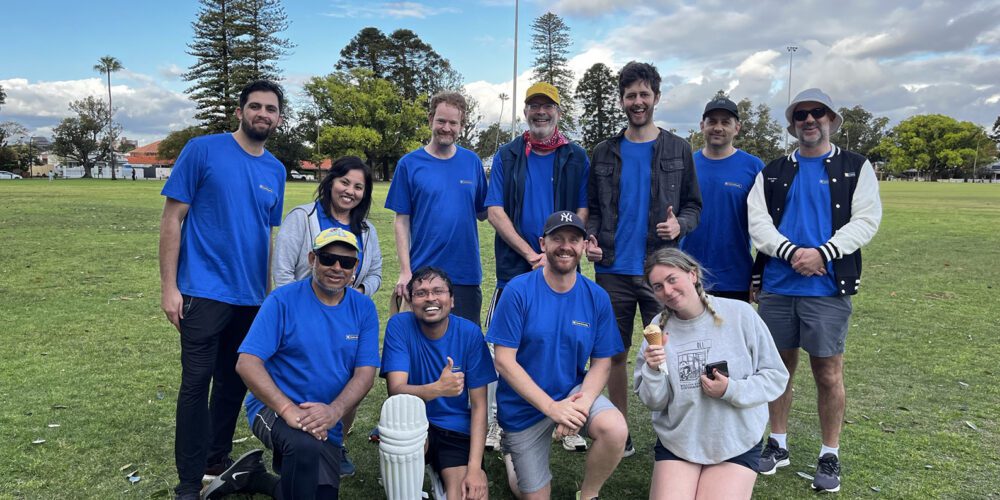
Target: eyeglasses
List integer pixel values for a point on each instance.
(423, 294)
(817, 113)
(329, 259)
(545, 107)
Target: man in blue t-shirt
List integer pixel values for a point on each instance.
(223, 196)
(643, 195)
(548, 325)
(443, 360)
(721, 242)
(310, 356)
(437, 192)
(810, 213)
(532, 176)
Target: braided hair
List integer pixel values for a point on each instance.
(675, 258)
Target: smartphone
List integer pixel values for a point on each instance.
(722, 366)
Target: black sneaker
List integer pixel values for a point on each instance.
(827, 474)
(236, 477)
(772, 458)
(629, 449)
(347, 468)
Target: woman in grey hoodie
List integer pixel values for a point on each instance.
(708, 429)
(343, 200)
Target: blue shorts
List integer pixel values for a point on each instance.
(749, 459)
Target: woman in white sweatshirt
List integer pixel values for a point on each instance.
(708, 430)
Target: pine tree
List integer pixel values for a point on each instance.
(602, 116)
(259, 47)
(235, 42)
(550, 41)
(366, 50)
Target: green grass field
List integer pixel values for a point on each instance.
(90, 365)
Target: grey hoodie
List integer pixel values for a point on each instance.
(290, 261)
(689, 423)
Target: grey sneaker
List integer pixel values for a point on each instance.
(827, 474)
(629, 449)
(772, 458)
(493, 436)
(574, 442)
(347, 468)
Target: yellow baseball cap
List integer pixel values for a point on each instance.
(542, 88)
(335, 235)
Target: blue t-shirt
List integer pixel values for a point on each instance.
(407, 349)
(234, 199)
(538, 201)
(633, 209)
(807, 223)
(721, 242)
(328, 223)
(311, 349)
(442, 198)
(555, 335)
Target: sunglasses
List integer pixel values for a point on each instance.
(817, 113)
(329, 259)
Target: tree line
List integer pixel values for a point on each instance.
(373, 104)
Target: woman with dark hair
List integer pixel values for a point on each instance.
(707, 379)
(343, 199)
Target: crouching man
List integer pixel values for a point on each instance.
(548, 324)
(311, 355)
(443, 359)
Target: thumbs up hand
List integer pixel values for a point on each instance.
(594, 252)
(669, 229)
(451, 383)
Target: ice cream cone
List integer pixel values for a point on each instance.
(653, 335)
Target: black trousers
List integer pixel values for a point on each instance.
(211, 392)
(309, 468)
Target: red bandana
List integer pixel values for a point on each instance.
(552, 143)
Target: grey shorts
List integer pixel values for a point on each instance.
(816, 324)
(529, 449)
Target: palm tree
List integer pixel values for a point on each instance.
(108, 65)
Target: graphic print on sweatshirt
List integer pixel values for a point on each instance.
(691, 360)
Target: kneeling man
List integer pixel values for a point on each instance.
(443, 359)
(548, 324)
(311, 355)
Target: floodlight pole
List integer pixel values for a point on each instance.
(791, 51)
(513, 109)
(503, 99)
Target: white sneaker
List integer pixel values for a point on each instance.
(574, 442)
(493, 436)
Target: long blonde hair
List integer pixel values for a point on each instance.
(677, 259)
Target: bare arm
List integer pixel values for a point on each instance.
(475, 485)
(174, 213)
(505, 228)
(450, 384)
(401, 227)
(255, 376)
(320, 417)
(583, 213)
(563, 412)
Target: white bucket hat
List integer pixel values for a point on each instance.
(813, 95)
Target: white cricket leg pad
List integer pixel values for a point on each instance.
(402, 432)
(437, 485)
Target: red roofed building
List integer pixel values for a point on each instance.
(147, 156)
(310, 166)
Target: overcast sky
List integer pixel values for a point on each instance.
(896, 59)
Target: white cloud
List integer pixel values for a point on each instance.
(398, 10)
(145, 110)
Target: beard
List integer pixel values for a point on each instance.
(253, 133)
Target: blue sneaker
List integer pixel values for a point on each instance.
(347, 468)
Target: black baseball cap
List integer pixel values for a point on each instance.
(721, 103)
(561, 219)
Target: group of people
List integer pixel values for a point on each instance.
(668, 232)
